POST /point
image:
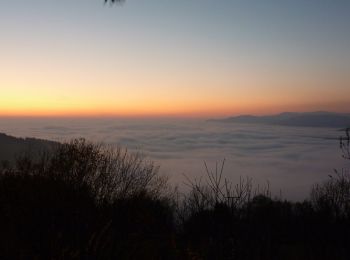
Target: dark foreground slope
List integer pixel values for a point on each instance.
(84, 201)
(11, 147)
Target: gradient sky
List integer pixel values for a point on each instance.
(173, 57)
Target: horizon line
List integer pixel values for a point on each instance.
(160, 116)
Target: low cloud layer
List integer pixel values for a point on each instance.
(290, 158)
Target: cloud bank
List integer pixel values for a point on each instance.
(290, 158)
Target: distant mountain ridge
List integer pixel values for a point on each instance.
(307, 119)
(10, 146)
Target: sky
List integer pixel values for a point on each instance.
(193, 58)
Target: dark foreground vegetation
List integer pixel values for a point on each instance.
(85, 201)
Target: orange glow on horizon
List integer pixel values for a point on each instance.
(162, 110)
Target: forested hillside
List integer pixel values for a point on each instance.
(11, 147)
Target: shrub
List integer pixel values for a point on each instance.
(84, 200)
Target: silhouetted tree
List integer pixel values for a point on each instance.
(80, 200)
(345, 144)
(84, 200)
(333, 196)
(114, 1)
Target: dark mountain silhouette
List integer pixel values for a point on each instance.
(309, 119)
(10, 146)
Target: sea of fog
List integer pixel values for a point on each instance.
(290, 159)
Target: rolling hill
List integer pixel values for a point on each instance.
(10, 146)
(308, 119)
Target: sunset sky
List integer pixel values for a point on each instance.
(173, 57)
